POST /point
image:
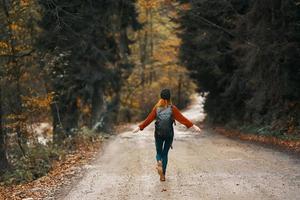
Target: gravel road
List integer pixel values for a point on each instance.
(201, 166)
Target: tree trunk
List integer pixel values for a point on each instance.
(3, 159)
(124, 45)
(21, 139)
(151, 34)
(97, 106)
(58, 132)
(70, 117)
(179, 90)
(16, 102)
(64, 120)
(143, 55)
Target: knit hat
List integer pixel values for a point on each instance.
(165, 94)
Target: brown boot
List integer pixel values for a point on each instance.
(162, 178)
(160, 170)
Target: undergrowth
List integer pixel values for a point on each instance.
(39, 158)
(269, 131)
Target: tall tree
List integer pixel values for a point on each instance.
(155, 54)
(240, 52)
(16, 48)
(92, 39)
(3, 157)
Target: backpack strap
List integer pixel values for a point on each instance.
(174, 122)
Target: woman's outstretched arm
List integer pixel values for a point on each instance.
(148, 120)
(176, 114)
(183, 120)
(180, 118)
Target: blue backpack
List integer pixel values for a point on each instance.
(164, 122)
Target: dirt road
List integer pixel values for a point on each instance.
(201, 166)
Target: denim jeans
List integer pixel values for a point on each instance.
(162, 149)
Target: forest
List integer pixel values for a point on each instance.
(246, 55)
(73, 70)
(76, 69)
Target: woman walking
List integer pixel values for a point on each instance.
(165, 114)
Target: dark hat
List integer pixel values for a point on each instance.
(165, 94)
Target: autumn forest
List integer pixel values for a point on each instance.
(74, 72)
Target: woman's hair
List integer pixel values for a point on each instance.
(163, 103)
(165, 99)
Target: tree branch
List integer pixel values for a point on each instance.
(5, 7)
(227, 32)
(18, 55)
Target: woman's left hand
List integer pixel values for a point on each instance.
(137, 129)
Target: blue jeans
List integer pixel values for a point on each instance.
(162, 149)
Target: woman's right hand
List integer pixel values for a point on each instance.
(196, 128)
(137, 129)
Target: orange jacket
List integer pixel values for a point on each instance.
(176, 114)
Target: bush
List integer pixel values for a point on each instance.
(36, 163)
(268, 131)
(39, 158)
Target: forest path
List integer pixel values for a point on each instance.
(201, 166)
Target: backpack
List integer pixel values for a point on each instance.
(164, 122)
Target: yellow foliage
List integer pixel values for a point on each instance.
(24, 2)
(4, 48)
(149, 4)
(84, 108)
(186, 6)
(15, 27)
(3, 45)
(38, 102)
(161, 68)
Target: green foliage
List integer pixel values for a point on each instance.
(82, 138)
(88, 42)
(18, 32)
(35, 164)
(268, 131)
(39, 158)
